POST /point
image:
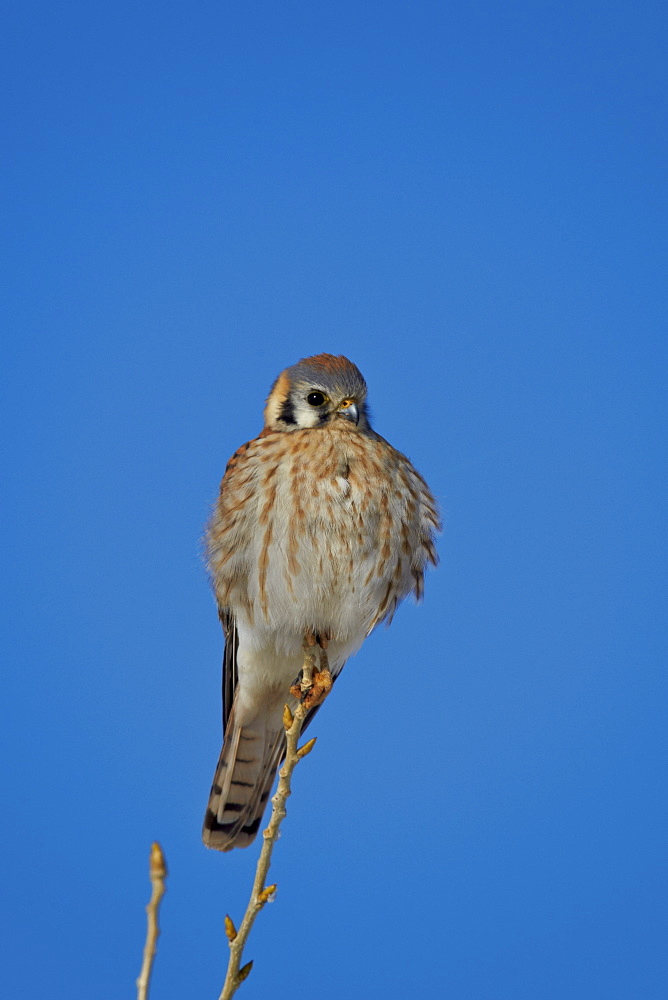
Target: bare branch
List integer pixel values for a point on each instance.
(158, 873)
(314, 689)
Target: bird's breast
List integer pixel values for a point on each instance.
(310, 533)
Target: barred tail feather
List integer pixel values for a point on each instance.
(241, 785)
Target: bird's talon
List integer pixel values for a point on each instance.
(322, 685)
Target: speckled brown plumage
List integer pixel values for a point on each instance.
(321, 527)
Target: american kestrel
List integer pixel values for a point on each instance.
(320, 530)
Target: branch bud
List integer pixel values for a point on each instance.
(266, 894)
(230, 929)
(157, 865)
(244, 972)
(306, 748)
(288, 717)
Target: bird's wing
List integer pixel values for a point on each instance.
(229, 661)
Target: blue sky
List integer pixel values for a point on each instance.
(469, 202)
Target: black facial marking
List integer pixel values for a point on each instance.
(287, 414)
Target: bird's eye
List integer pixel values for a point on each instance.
(315, 398)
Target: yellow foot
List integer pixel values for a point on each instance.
(322, 685)
(318, 690)
(313, 685)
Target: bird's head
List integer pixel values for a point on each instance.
(317, 392)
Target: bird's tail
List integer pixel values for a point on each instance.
(242, 784)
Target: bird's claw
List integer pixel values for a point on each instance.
(320, 688)
(313, 685)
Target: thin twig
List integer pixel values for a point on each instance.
(261, 892)
(158, 873)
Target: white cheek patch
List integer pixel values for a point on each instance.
(305, 415)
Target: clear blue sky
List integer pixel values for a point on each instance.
(469, 201)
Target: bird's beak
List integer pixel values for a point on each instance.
(350, 412)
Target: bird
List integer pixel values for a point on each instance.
(320, 529)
